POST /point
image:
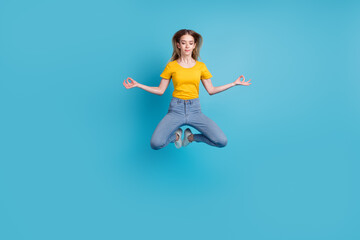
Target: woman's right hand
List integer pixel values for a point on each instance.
(132, 84)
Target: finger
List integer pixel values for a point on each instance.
(127, 85)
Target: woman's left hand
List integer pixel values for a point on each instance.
(238, 82)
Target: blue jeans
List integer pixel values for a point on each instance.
(187, 112)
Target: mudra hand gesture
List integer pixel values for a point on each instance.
(132, 83)
(238, 82)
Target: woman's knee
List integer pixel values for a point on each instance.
(156, 144)
(222, 142)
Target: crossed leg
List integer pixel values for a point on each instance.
(211, 133)
(165, 130)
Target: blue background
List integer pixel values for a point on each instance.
(76, 161)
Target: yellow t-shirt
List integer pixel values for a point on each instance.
(186, 80)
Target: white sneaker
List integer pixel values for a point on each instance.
(178, 143)
(185, 141)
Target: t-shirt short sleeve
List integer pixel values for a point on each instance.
(205, 74)
(167, 72)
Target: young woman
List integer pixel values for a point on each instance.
(184, 109)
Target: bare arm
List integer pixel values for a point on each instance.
(155, 90)
(213, 90)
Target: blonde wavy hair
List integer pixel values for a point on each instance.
(176, 39)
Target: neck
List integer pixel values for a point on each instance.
(186, 59)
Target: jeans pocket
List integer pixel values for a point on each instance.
(172, 104)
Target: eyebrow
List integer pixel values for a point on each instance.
(185, 41)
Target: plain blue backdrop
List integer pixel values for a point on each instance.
(76, 161)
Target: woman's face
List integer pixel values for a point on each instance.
(186, 45)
